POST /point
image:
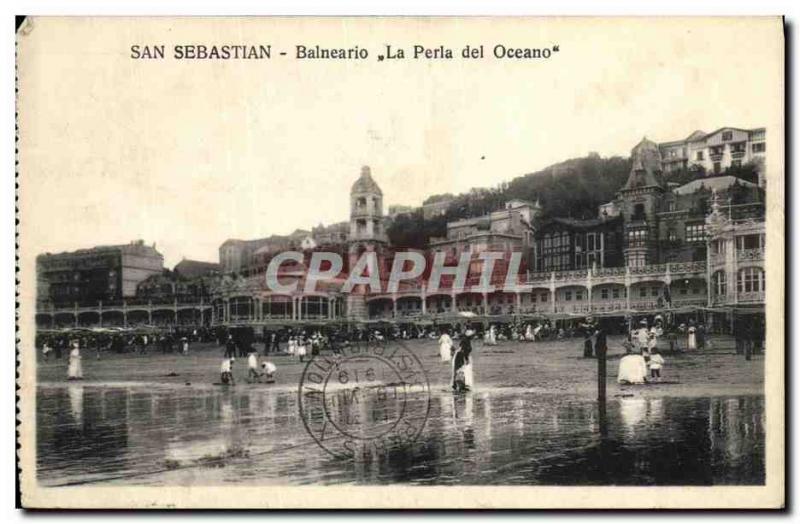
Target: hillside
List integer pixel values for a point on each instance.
(573, 188)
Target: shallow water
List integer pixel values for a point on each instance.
(170, 435)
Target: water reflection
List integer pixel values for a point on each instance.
(189, 436)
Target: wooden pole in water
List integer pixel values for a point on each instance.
(601, 374)
(601, 351)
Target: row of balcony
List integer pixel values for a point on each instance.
(742, 256)
(675, 269)
(596, 276)
(249, 316)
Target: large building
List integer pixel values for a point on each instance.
(507, 229)
(657, 245)
(716, 151)
(239, 256)
(99, 273)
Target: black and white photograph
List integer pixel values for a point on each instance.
(487, 262)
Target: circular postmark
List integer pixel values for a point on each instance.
(371, 396)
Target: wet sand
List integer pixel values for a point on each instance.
(532, 419)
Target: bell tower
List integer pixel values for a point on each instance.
(366, 209)
(367, 233)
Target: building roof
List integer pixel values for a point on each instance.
(519, 202)
(697, 135)
(272, 243)
(645, 166)
(134, 246)
(701, 135)
(743, 130)
(579, 223)
(195, 268)
(717, 183)
(365, 183)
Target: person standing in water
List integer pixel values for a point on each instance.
(462, 376)
(75, 370)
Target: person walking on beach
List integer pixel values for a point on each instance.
(230, 346)
(692, 340)
(701, 337)
(681, 333)
(252, 367)
(226, 371)
(185, 346)
(600, 341)
(491, 337)
(642, 337)
(445, 346)
(588, 329)
(75, 370)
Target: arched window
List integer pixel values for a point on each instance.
(751, 279)
(719, 283)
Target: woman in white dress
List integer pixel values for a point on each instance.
(445, 347)
(291, 346)
(632, 370)
(490, 339)
(529, 333)
(692, 338)
(75, 370)
(301, 348)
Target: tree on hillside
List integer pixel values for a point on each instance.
(574, 188)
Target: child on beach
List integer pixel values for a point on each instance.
(652, 342)
(656, 363)
(226, 371)
(268, 370)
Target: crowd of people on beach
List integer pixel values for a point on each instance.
(141, 342)
(644, 343)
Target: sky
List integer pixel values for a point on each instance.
(187, 154)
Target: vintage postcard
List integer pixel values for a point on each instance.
(380, 262)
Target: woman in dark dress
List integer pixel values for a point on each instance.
(460, 360)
